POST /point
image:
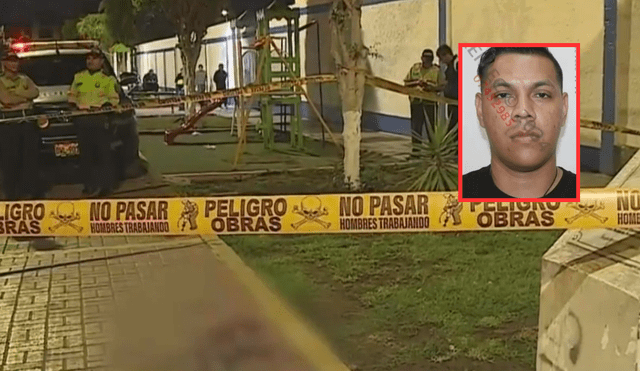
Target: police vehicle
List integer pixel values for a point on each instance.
(52, 66)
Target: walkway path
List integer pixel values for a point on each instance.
(145, 304)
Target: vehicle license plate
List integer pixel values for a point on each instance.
(66, 149)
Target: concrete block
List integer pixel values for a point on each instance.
(590, 297)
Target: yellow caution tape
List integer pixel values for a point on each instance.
(347, 213)
(166, 102)
(589, 124)
(246, 91)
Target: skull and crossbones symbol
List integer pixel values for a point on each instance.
(311, 210)
(65, 214)
(587, 209)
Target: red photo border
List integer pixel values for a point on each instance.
(460, 119)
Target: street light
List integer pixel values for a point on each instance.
(225, 13)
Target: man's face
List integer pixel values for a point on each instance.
(445, 58)
(524, 135)
(94, 62)
(427, 59)
(11, 65)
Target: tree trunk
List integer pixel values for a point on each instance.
(190, 52)
(350, 56)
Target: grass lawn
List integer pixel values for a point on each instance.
(403, 302)
(412, 302)
(392, 302)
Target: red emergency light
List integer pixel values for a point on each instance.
(20, 44)
(19, 47)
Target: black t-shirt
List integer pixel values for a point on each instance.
(479, 184)
(220, 79)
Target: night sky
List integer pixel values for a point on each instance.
(23, 12)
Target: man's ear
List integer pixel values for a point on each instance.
(479, 109)
(565, 107)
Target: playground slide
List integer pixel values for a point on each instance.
(190, 122)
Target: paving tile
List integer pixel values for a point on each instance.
(61, 317)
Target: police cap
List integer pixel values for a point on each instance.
(428, 53)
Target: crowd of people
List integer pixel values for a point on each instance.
(92, 89)
(219, 80)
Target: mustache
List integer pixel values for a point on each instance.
(525, 128)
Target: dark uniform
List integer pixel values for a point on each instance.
(150, 81)
(451, 89)
(180, 83)
(92, 89)
(433, 77)
(220, 81)
(19, 141)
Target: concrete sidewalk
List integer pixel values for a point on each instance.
(172, 304)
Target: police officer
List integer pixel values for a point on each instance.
(180, 82)
(92, 89)
(445, 54)
(19, 140)
(150, 81)
(428, 77)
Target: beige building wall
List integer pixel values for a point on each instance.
(629, 69)
(398, 31)
(536, 21)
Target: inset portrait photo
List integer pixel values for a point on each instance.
(519, 112)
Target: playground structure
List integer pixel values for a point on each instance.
(276, 63)
(279, 65)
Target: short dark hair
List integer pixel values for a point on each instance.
(444, 48)
(489, 56)
(427, 51)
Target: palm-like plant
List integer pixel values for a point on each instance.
(435, 168)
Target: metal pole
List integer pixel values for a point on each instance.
(234, 55)
(164, 69)
(442, 39)
(133, 58)
(608, 160)
(241, 82)
(319, 56)
(155, 56)
(206, 60)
